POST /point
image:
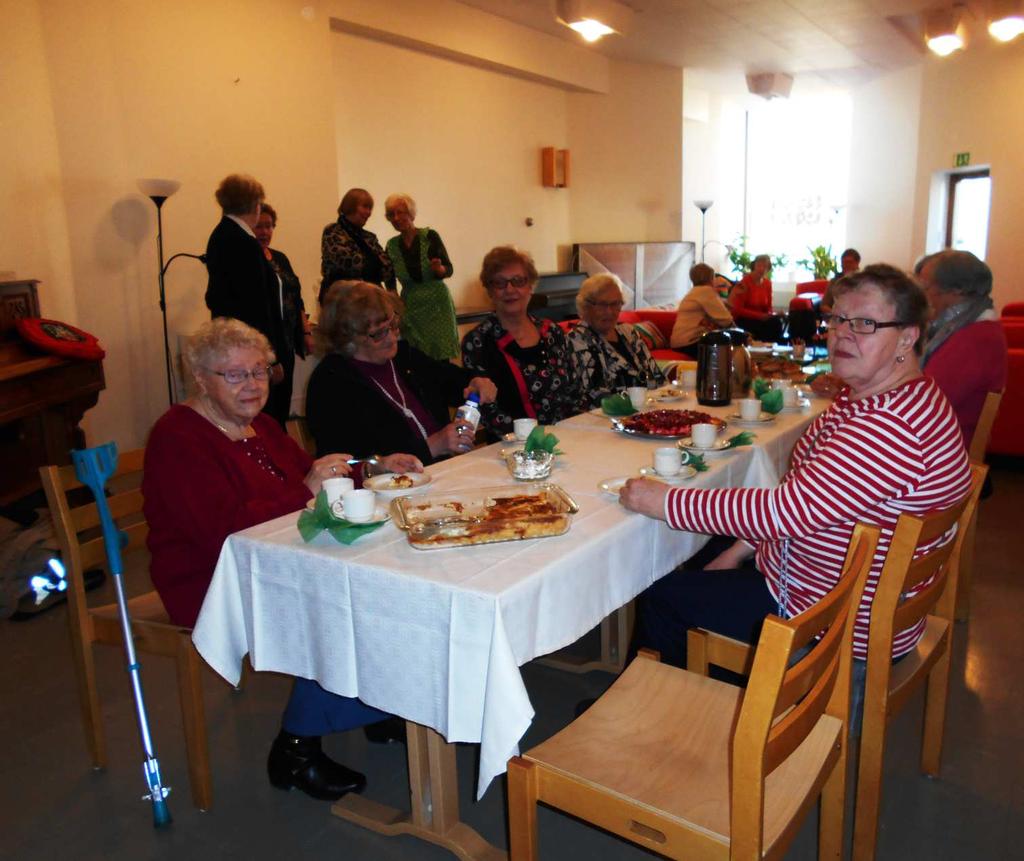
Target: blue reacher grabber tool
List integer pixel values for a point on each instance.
(94, 466)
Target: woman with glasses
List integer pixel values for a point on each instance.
(529, 359)
(889, 444)
(373, 394)
(701, 310)
(609, 356)
(216, 464)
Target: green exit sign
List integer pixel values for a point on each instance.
(963, 159)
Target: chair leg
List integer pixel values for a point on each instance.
(88, 696)
(966, 573)
(869, 781)
(935, 714)
(832, 816)
(190, 693)
(522, 809)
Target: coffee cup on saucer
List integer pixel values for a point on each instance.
(750, 408)
(522, 427)
(668, 460)
(637, 396)
(359, 505)
(704, 435)
(335, 487)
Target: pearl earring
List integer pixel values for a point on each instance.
(901, 359)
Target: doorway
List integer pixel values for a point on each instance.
(968, 199)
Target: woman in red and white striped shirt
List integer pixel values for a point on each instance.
(889, 444)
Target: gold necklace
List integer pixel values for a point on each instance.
(207, 413)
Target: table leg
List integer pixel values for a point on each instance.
(434, 802)
(615, 633)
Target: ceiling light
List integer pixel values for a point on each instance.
(944, 32)
(593, 19)
(1006, 19)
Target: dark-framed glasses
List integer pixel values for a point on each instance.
(607, 306)
(378, 335)
(859, 325)
(235, 376)
(517, 281)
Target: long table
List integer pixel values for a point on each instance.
(437, 637)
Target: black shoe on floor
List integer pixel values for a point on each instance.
(388, 731)
(299, 761)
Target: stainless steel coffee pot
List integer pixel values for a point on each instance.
(742, 366)
(714, 369)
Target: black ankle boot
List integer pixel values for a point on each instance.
(387, 731)
(298, 761)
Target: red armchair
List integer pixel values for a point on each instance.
(1013, 309)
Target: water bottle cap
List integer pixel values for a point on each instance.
(473, 398)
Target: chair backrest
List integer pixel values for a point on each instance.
(298, 430)
(784, 701)
(76, 520)
(933, 573)
(983, 429)
(1012, 309)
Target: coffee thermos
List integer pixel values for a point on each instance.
(714, 369)
(742, 366)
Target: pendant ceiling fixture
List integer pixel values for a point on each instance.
(1006, 19)
(593, 19)
(944, 31)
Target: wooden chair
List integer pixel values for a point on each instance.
(298, 430)
(81, 543)
(888, 685)
(979, 442)
(690, 767)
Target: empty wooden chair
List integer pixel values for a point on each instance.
(690, 767)
(81, 545)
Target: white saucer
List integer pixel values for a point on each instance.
(380, 514)
(720, 446)
(801, 405)
(684, 474)
(763, 419)
(612, 485)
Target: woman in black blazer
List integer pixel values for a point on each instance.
(242, 283)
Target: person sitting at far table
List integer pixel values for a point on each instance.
(374, 394)
(701, 310)
(609, 356)
(751, 302)
(215, 465)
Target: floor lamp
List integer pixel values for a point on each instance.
(703, 206)
(158, 190)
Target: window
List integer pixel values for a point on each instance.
(967, 213)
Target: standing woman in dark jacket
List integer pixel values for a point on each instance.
(350, 252)
(296, 321)
(242, 283)
(373, 394)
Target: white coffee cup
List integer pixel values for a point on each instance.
(637, 396)
(704, 435)
(668, 460)
(688, 379)
(359, 505)
(750, 409)
(335, 487)
(522, 427)
(789, 396)
(782, 384)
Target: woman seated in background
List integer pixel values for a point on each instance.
(702, 310)
(609, 356)
(751, 302)
(421, 264)
(214, 465)
(888, 445)
(350, 252)
(373, 394)
(297, 339)
(529, 359)
(965, 349)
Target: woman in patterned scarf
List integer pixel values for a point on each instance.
(349, 252)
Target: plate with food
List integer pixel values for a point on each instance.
(392, 484)
(664, 424)
(666, 396)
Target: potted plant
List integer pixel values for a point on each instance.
(821, 263)
(741, 259)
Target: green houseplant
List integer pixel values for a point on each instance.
(741, 259)
(821, 262)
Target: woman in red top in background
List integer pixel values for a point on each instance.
(214, 465)
(751, 302)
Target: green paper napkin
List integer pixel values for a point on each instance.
(540, 440)
(761, 386)
(312, 523)
(744, 438)
(617, 405)
(697, 462)
(771, 402)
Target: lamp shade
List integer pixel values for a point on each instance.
(944, 30)
(162, 188)
(703, 205)
(1005, 19)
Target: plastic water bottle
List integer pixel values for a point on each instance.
(469, 412)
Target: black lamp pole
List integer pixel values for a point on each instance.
(159, 199)
(703, 206)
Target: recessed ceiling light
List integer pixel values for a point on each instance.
(593, 19)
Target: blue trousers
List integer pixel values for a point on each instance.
(313, 711)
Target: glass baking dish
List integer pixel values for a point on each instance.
(483, 515)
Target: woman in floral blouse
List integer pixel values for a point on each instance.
(529, 360)
(349, 252)
(609, 356)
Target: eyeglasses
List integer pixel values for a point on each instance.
(859, 325)
(608, 306)
(380, 334)
(517, 281)
(234, 376)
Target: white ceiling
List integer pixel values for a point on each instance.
(840, 41)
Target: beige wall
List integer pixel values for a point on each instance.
(627, 157)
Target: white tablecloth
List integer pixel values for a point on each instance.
(438, 636)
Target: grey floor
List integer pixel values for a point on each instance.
(53, 805)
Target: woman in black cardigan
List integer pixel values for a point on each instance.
(373, 394)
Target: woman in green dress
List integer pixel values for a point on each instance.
(421, 264)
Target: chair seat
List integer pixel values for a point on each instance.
(142, 608)
(660, 738)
